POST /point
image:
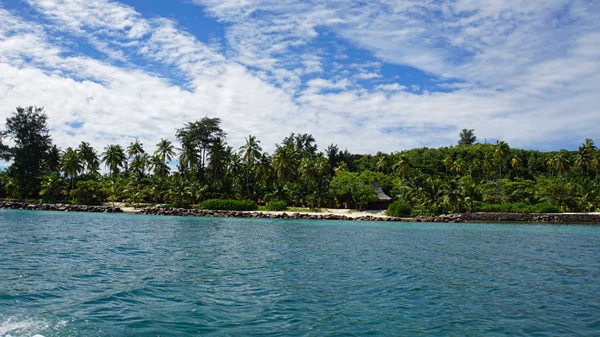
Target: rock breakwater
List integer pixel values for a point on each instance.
(261, 215)
(59, 207)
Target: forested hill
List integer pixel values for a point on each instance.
(467, 177)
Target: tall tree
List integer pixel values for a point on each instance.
(28, 129)
(165, 150)
(201, 135)
(285, 162)
(467, 137)
(53, 159)
(90, 158)
(135, 148)
(250, 153)
(72, 165)
(500, 152)
(114, 158)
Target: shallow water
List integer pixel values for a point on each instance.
(67, 274)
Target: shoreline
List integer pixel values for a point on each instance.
(328, 214)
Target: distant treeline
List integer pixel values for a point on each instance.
(467, 177)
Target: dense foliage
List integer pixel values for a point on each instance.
(228, 205)
(399, 209)
(468, 177)
(276, 206)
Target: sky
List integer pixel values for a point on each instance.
(376, 75)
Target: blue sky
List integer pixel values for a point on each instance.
(376, 75)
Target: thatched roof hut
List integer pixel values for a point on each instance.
(383, 199)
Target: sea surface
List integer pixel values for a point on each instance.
(78, 274)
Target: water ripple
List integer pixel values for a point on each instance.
(122, 275)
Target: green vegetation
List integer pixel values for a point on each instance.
(228, 205)
(399, 209)
(200, 165)
(276, 206)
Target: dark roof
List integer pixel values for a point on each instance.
(380, 193)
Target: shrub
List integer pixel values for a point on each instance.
(515, 207)
(399, 209)
(276, 206)
(179, 204)
(545, 207)
(228, 205)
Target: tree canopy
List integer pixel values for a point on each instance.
(201, 165)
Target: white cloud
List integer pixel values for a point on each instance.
(527, 74)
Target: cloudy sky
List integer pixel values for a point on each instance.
(368, 75)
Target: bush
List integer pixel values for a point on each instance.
(545, 207)
(179, 204)
(399, 209)
(515, 207)
(228, 205)
(276, 206)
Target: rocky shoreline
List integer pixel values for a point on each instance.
(448, 218)
(59, 207)
(261, 215)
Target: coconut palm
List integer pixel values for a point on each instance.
(459, 166)
(383, 164)
(218, 159)
(159, 168)
(165, 150)
(250, 153)
(595, 163)
(53, 159)
(139, 164)
(447, 161)
(189, 158)
(583, 158)
(114, 158)
(135, 148)
(562, 161)
(89, 157)
(285, 162)
(501, 152)
(516, 161)
(72, 165)
(52, 187)
(402, 166)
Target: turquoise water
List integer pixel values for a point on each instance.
(67, 274)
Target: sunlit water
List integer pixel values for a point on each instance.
(67, 274)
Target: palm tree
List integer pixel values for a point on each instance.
(383, 164)
(489, 165)
(52, 187)
(189, 158)
(72, 165)
(165, 150)
(447, 161)
(402, 166)
(595, 163)
(551, 163)
(135, 148)
(516, 162)
(284, 162)
(159, 167)
(53, 159)
(114, 158)
(562, 161)
(583, 158)
(218, 159)
(139, 164)
(459, 166)
(501, 152)
(250, 153)
(178, 192)
(89, 157)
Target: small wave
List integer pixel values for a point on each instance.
(13, 327)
